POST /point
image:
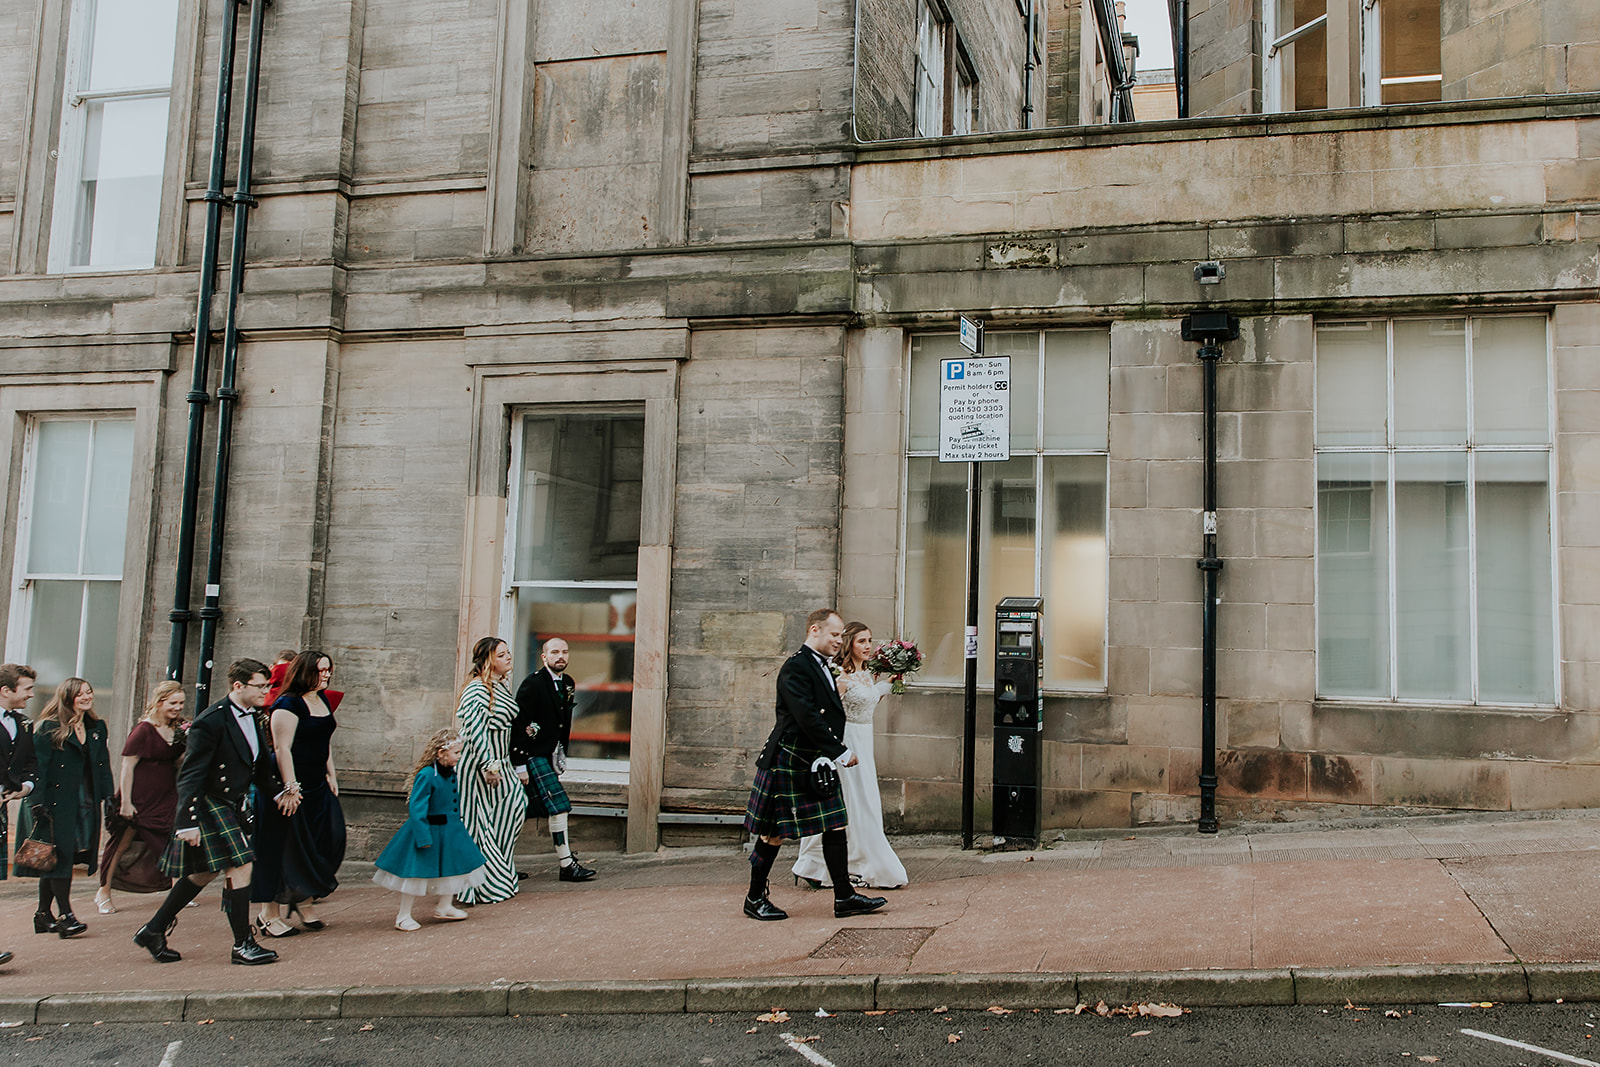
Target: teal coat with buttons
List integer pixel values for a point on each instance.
(433, 843)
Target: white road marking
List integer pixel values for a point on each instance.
(170, 1057)
(816, 1057)
(1562, 1056)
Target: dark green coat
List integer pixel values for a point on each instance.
(73, 781)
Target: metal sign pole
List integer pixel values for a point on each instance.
(969, 737)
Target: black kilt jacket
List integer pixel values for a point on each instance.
(548, 704)
(810, 715)
(217, 764)
(18, 763)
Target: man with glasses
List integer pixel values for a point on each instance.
(227, 753)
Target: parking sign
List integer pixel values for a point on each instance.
(975, 410)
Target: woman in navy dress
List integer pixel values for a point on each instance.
(432, 853)
(298, 854)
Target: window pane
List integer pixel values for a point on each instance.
(112, 470)
(1352, 383)
(133, 44)
(1307, 56)
(1431, 575)
(1510, 384)
(935, 609)
(598, 626)
(119, 197)
(1077, 388)
(1515, 648)
(1074, 580)
(1353, 575)
(61, 464)
(923, 420)
(1409, 31)
(580, 496)
(100, 635)
(1430, 382)
(55, 613)
(1023, 348)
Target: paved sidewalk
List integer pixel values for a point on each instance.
(1483, 907)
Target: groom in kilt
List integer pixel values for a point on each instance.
(790, 799)
(227, 754)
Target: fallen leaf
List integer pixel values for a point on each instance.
(40, 1038)
(1391, 1014)
(808, 1040)
(1351, 1007)
(823, 1013)
(365, 1028)
(1027, 859)
(880, 1011)
(940, 1010)
(1161, 1011)
(1428, 1059)
(949, 1040)
(773, 1016)
(205, 1022)
(995, 1009)
(753, 1029)
(1140, 1033)
(1063, 1011)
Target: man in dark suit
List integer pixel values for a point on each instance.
(18, 764)
(539, 736)
(786, 800)
(227, 753)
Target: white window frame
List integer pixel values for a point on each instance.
(18, 626)
(1372, 79)
(1470, 450)
(928, 83)
(1278, 66)
(72, 141)
(1040, 453)
(598, 771)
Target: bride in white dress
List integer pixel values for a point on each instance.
(871, 859)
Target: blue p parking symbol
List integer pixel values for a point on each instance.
(955, 371)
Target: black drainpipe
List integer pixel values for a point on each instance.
(1116, 65)
(227, 395)
(1027, 70)
(1210, 329)
(1178, 13)
(198, 398)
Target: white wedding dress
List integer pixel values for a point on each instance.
(871, 858)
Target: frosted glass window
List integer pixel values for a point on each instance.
(1515, 640)
(1352, 383)
(113, 135)
(1044, 510)
(1434, 542)
(1077, 388)
(1353, 574)
(1431, 569)
(1430, 382)
(1510, 382)
(75, 520)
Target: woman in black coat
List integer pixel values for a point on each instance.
(64, 807)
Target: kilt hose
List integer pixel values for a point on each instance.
(223, 843)
(546, 797)
(780, 805)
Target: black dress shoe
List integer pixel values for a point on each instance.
(155, 942)
(44, 922)
(856, 904)
(522, 876)
(69, 926)
(5, 958)
(576, 872)
(251, 954)
(764, 909)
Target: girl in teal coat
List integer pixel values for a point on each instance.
(432, 852)
(64, 807)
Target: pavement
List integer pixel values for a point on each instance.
(1464, 908)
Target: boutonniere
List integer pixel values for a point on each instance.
(835, 670)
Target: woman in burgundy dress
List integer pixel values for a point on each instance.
(147, 800)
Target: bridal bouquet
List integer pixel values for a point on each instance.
(898, 658)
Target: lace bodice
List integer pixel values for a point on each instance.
(860, 695)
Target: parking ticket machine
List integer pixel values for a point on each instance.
(1018, 717)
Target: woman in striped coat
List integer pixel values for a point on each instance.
(492, 801)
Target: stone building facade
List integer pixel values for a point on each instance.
(595, 319)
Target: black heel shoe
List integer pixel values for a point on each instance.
(44, 922)
(812, 882)
(309, 924)
(69, 926)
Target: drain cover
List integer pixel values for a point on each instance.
(878, 941)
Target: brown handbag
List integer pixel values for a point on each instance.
(36, 855)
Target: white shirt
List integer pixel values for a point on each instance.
(246, 720)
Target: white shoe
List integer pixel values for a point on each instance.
(450, 914)
(407, 924)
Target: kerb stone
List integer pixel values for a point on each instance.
(1500, 983)
(833, 992)
(137, 1007)
(1548, 982)
(401, 1001)
(978, 991)
(1189, 988)
(264, 1004)
(622, 998)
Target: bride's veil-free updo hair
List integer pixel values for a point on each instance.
(481, 651)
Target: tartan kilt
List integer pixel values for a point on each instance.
(546, 797)
(780, 806)
(223, 843)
